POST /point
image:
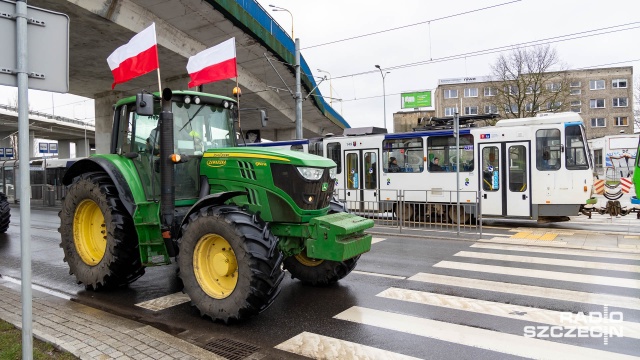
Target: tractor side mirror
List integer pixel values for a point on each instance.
(144, 104)
(263, 118)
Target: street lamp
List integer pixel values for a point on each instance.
(330, 87)
(277, 8)
(384, 95)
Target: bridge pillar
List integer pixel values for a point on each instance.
(104, 121)
(83, 147)
(64, 149)
(278, 135)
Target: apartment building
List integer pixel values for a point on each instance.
(603, 97)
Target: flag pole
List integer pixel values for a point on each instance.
(159, 82)
(238, 96)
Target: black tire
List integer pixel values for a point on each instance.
(5, 213)
(320, 272)
(92, 197)
(230, 293)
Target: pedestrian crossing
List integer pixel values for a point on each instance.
(531, 302)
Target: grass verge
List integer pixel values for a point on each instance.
(11, 346)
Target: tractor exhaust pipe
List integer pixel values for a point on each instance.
(167, 180)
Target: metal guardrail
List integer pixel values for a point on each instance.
(417, 210)
(49, 116)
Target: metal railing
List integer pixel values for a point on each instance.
(417, 209)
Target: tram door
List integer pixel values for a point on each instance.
(361, 179)
(505, 172)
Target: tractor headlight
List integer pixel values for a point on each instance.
(333, 172)
(310, 173)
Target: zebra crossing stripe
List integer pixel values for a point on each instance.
(525, 313)
(549, 261)
(377, 240)
(470, 336)
(378, 274)
(530, 290)
(164, 302)
(321, 347)
(548, 250)
(542, 274)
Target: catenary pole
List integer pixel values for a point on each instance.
(298, 94)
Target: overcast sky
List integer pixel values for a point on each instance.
(318, 22)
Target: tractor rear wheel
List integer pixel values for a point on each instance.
(5, 213)
(318, 272)
(229, 263)
(99, 238)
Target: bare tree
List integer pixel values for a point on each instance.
(524, 85)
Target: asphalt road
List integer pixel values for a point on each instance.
(408, 296)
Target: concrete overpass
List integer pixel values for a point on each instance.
(97, 27)
(47, 126)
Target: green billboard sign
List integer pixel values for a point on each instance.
(416, 99)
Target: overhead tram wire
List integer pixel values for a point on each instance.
(544, 41)
(410, 25)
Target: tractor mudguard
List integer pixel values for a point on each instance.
(102, 164)
(213, 199)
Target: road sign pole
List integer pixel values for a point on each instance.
(25, 181)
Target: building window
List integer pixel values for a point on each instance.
(490, 109)
(449, 111)
(490, 91)
(575, 84)
(620, 102)
(621, 121)
(471, 110)
(554, 87)
(596, 103)
(575, 92)
(513, 108)
(450, 94)
(596, 84)
(554, 106)
(511, 90)
(598, 122)
(531, 89)
(576, 103)
(471, 92)
(576, 109)
(619, 83)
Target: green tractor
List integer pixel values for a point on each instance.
(177, 185)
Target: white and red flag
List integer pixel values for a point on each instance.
(137, 57)
(213, 64)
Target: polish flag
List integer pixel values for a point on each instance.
(137, 57)
(213, 64)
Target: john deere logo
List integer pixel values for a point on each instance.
(325, 186)
(216, 163)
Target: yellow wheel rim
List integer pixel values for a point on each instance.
(89, 232)
(215, 266)
(307, 261)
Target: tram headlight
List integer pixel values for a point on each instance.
(333, 173)
(310, 173)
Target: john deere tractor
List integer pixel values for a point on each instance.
(176, 185)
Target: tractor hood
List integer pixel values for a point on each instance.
(295, 158)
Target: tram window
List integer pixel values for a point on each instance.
(548, 149)
(315, 148)
(353, 173)
(517, 168)
(370, 170)
(333, 153)
(297, 148)
(576, 156)
(409, 155)
(444, 149)
(490, 169)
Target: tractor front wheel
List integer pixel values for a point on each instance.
(229, 263)
(318, 272)
(98, 236)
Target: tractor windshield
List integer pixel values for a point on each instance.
(201, 127)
